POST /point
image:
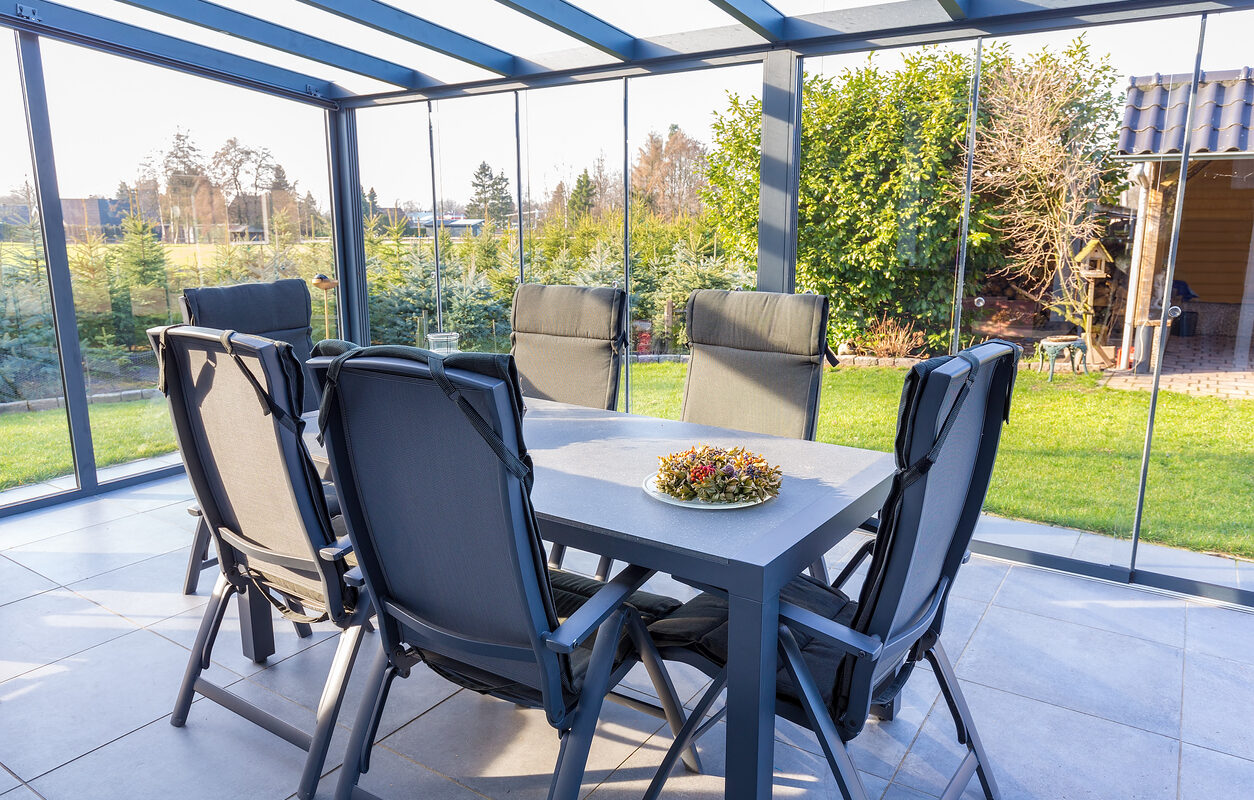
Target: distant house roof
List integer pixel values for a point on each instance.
(1154, 116)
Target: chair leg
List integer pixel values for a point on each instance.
(357, 755)
(303, 629)
(557, 555)
(686, 736)
(603, 568)
(198, 662)
(965, 724)
(329, 709)
(577, 741)
(818, 570)
(661, 679)
(197, 557)
(887, 712)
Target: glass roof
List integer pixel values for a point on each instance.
(795, 8)
(644, 18)
(492, 23)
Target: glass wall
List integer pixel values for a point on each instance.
(476, 157)
(400, 223)
(182, 182)
(693, 140)
(1200, 483)
(36, 458)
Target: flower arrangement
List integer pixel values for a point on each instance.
(717, 475)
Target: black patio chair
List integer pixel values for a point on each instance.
(840, 660)
(234, 401)
(445, 512)
(567, 342)
(279, 310)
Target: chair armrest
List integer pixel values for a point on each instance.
(608, 599)
(858, 557)
(337, 551)
(844, 637)
(354, 578)
(195, 511)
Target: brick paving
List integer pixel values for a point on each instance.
(1198, 365)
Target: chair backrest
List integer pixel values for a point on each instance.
(442, 525)
(948, 428)
(280, 310)
(567, 342)
(757, 361)
(233, 401)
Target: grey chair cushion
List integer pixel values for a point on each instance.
(757, 361)
(566, 341)
(571, 590)
(700, 625)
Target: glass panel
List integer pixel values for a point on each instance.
(204, 185)
(33, 424)
(399, 223)
(492, 23)
(658, 17)
(1058, 223)
(1200, 487)
(880, 211)
(693, 140)
(798, 7)
(477, 203)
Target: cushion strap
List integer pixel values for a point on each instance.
(267, 402)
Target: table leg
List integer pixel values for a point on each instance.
(256, 626)
(753, 636)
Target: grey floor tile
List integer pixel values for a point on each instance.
(899, 792)
(228, 650)
(20, 793)
(979, 578)
(1218, 696)
(498, 749)
(90, 551)
(1208, 775)
(1222, 632)
(17, 582)
(148, 591)
(1042, 752)
(154, 494)
(1121, 678)
(798, 773)
(7, 779)
(1096, 603)
(1103, 550)
(36, 525)
(1245, 574)
(300, 678)
(394, 777)
(59, 712)
(1220, 570)
(31, 491)
(1027, 535)
(50, 626)
(216, 755)
(962, 616)
(689, 682)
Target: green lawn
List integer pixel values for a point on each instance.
(1070, 456)
(37, 444)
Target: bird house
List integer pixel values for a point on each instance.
(1094, 261)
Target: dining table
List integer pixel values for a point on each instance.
(590, 467)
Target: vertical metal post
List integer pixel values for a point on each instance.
(349, 228)
(626, 253)
(436, 218)
(56, 257)
(960, 267)
(780, 171)
(1172, 251)
(522, 264)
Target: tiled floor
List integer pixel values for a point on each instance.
(1206, 366)
(1082, 689)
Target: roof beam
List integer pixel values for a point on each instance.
(100, 33)
(403, 25)
(575, 22)
(262, 32)
(759, 16)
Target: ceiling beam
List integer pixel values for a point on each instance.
(759, 16)
(575, 22)
(403, 25)
(269, 34)
(100, 33)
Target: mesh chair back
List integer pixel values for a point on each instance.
(443, 529)
(280, 310)
(757, 361)
(567, 342)
(251, 474)
(949, 426)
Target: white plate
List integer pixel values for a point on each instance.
(650, 488)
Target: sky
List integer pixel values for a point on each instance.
(110, 114)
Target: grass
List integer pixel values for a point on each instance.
(1071, 454)
(37, 444)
